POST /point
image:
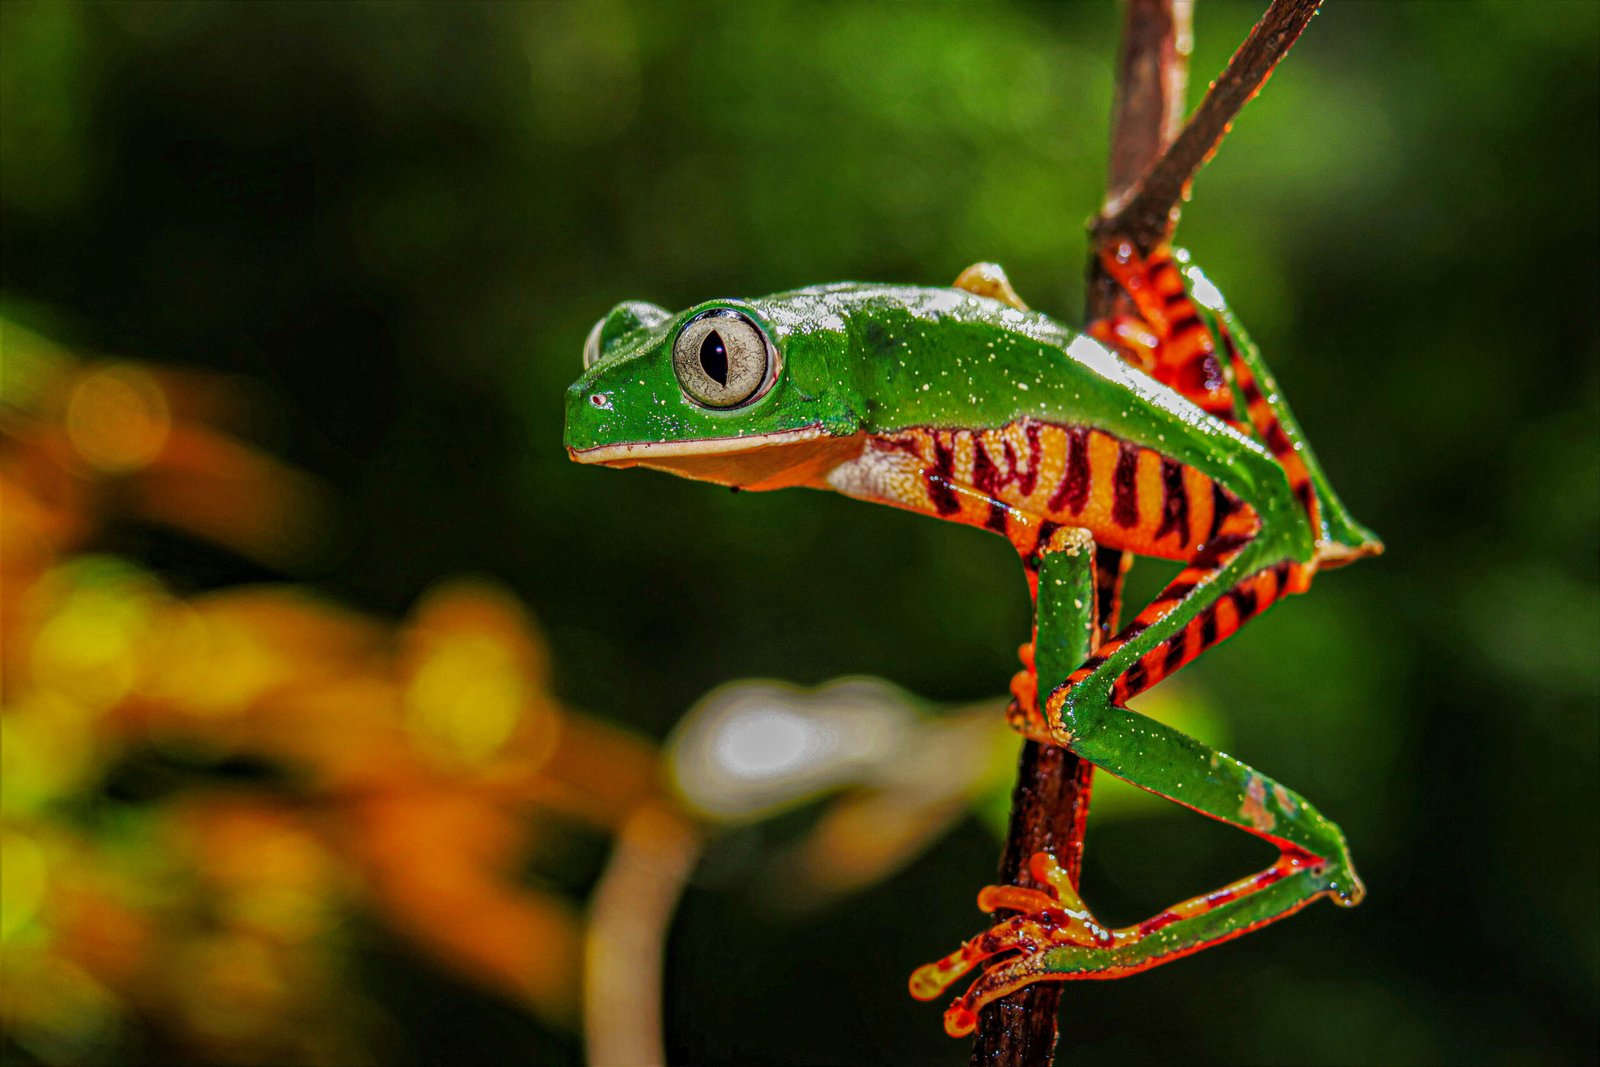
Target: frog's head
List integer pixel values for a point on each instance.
(750, 394)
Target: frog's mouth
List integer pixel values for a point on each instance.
(755, 461)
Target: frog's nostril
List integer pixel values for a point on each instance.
(600, 400)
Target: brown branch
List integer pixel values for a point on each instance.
(1150, 172)
(1050, 805)
(1048, 811)
(1151, 79)
(1148, 212)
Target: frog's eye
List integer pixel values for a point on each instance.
(723, 359)
(591, 345)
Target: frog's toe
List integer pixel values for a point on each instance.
(1346, 887)
(1023, 714)
(961, 1017)
(1020, 951)
(1025, 719)
(1013, 950)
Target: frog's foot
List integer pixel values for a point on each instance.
(1023, 712)
(1055, 938)
(1052, 918)
(1345, 887)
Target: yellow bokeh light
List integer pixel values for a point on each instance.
(466, 697)
(94, 614)
(208, 664)
(23, 876)
(48, 747)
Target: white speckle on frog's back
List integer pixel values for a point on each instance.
(806, 312)
(936, 303)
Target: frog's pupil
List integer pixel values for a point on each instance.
(714, 357)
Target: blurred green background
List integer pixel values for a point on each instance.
(399, 221)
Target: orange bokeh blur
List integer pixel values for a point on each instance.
(399, 772)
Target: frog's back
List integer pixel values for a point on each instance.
(1030, 414)
(946, 358)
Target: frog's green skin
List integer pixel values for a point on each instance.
(977, 410)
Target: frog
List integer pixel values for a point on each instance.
(1159, 432)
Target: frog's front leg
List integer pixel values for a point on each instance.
(1061, 638)
(1056, 937)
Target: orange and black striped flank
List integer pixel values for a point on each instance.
(1185, 357)
(1014, 478)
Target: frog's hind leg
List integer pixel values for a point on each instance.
(1229, 583)
(1187, 337)
(1175, 340)
(1340, 538)
(1168, 339)
(1051, 943)
(1231, 580)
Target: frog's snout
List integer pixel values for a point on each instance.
(585, 403)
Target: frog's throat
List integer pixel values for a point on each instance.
(755, 461)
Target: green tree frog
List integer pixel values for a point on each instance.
(1160, 433)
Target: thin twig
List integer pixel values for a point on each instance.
(1147, 214)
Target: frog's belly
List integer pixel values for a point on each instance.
(1014, 478)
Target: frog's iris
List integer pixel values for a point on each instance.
(723, 359)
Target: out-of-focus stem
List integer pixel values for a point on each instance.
(624, 950)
